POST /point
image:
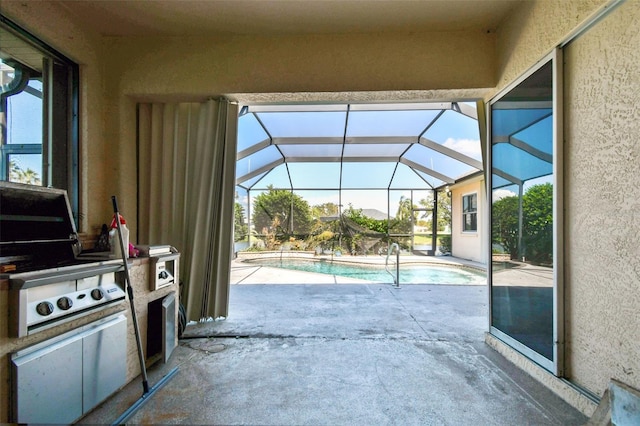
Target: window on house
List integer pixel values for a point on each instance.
(38, 113)
(470, 213)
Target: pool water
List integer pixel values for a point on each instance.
(413, 274)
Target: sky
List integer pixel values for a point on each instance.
(21, 130)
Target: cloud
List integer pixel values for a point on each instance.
(499, 194)
(468, 147)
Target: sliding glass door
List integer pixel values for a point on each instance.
(526, 182)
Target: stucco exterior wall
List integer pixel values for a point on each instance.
(602, 262)
(467, 245)
(602, 223)
(205, 66)
(534, 29)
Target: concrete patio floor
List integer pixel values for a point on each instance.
(349, 354)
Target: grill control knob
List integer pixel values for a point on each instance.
(64, 303)
(97, 294)
(44, 308)
(163, 275)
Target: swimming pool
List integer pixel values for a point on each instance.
(409, 274)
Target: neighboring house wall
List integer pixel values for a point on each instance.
(467, 244)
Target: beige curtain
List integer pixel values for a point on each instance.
(186, 192)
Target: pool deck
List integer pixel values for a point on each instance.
(246, 273)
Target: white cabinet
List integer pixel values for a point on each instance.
(61, 379)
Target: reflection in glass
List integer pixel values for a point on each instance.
(522, 213)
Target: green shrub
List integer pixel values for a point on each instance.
(445, 243)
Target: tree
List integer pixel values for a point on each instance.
(444, 210)
(325, 210)
(29, 176)
(401, 224)
(505, 224)
(537, 235)
(240, 228)
(281, 212)
(375, 225)
(321, 214)
(14, 171)
(537, 224)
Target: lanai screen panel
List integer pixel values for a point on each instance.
(304, 124)
(367, 175)
(390, 152)
(315, 175)
(325, 203)
(378, 146)
(444, 166)
(277, 178)
(389, 123)
(522, 145)
(250, 132)
(372, 201)
(312, 151)
(405, 177)
(458, 132)
(250, 183)
(256, 162)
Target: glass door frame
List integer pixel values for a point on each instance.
(555, 366)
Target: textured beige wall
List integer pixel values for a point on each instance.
(602, 174)
(534, 29)
(602, 255)
(467, 245)
(199, 67)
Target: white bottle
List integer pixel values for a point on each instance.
(114, 240)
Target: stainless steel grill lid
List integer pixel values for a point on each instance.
(37, 230)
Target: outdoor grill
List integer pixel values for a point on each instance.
(40, 255)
